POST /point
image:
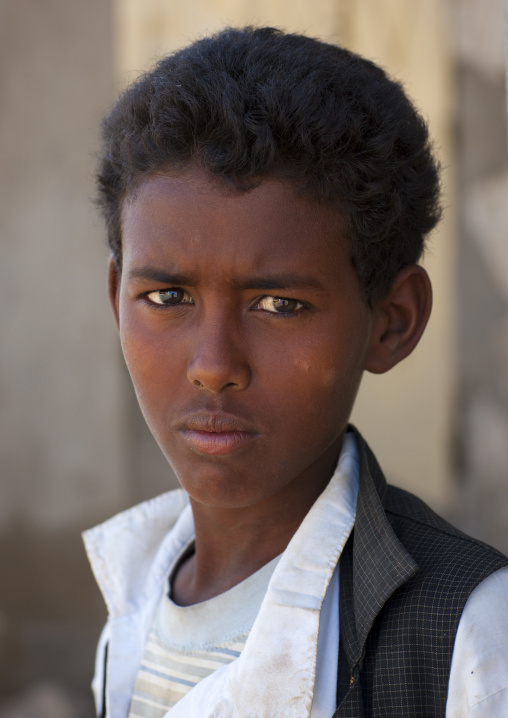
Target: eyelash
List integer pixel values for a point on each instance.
(286, 315)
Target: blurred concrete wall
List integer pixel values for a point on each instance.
(64, 410)
(73, 446)
(481, 422)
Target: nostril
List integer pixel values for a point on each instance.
(218, 373)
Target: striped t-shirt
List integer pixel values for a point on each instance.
(187, 643)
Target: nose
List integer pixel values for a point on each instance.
(218, 362)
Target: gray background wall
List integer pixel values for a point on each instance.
(481, 451)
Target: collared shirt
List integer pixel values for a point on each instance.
(288, 667)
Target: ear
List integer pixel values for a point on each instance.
(399, 319)
(114, 277)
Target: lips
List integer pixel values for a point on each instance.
(216, 434)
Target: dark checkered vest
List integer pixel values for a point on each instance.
(405, 576)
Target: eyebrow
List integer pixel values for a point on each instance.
(157, 275)
(279, 281)
(271, 282)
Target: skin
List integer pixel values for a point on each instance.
(249, 404)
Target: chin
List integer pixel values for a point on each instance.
(220, 489)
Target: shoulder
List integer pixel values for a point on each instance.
(450, 564)
(431, 540)
(419, 621)
(479, 670)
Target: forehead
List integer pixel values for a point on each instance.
(194, 221)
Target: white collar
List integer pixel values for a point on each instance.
(131, 552)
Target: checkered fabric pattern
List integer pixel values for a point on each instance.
(405, 576)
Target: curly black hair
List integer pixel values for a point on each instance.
(251, 103)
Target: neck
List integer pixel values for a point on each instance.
(234, 543)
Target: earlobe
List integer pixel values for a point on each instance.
(114, 277)
(399, 319)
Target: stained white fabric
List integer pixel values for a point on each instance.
(188, 643)
(478, 686)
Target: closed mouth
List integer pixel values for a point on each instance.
(216, 434)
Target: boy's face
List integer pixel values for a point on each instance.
(244, 331)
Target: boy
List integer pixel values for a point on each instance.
(266, 198)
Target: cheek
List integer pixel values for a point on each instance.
(327, 388)
(328, 365)
(315, 374)
(326, 376)
(302, 366)
(150, 358)
(330, 378)
(134, 345)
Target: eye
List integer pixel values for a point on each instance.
(279, 305)
(169, 297)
